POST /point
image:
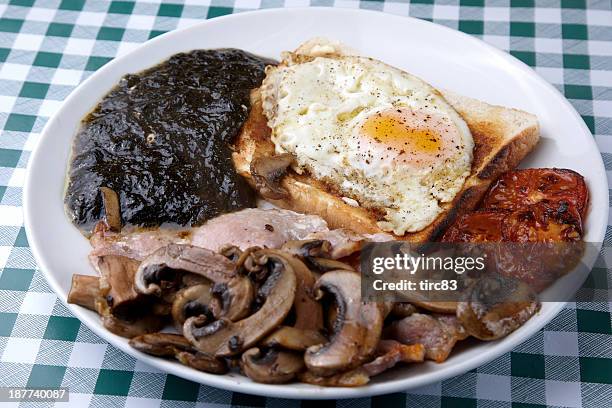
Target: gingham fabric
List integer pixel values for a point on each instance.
(47, 47)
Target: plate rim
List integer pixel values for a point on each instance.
(233, 382)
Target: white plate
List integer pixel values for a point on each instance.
(441, 56)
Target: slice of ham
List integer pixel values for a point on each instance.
(437, 333)
(251, 227)
(392, 352)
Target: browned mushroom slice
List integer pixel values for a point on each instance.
(177, 346)
(226, 338)
(191, 279)
(292, 338)
(496, 306)
(84, 291)
(308, 311)
(357, 327)
(436, 307)
(267, 172)
(160, 344)
(112, 209)
(251, 264)
(233, 298)
(235, 293)
(315, 253)
(323, 265)
(271, 366)
(308, 248)
(163, 264)
(437, 335)
(403, 309)
(390, 354)
(202, 362)
(132, 327)
(231, 252)
(344, 242)
(117, 284)
(353, 378)
(133, 320)
(191, 301)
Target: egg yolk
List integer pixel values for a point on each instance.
(395, 131)
(416, 137)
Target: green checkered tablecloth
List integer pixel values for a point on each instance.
(47, 47)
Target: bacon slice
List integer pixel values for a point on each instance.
(438, 334)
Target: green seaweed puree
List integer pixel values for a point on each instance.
(161, 140)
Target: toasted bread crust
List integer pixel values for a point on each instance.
(502, 137)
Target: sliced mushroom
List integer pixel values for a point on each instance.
(403, 309)
(163, 264)
(308, 314)
(438, 335)
(191, 279)
(267, 172)
(191, 301)
(385, 308)
(291, 338)
(390, 354)
(117, 284)
(343, 242)
(323, 265)
(357, 328)
(160, 344)
(202, 362)
(134, 326)
(345, 249)
(497, 306)
(437, 307)
(353, 378)
(177, 346)
(135, 319)
(84, 291)
(271, 366)
(226, 338)
(112, 209)
(235, 293)
(308, 248)
(251, 264)
(331, 310)
(234, 298)
(129, 329)
(308, 311)
(231, 252)
(315, 254)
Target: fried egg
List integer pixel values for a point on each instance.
(381, 138)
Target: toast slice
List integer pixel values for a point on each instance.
(502, 138)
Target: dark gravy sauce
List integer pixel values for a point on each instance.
(160, 139)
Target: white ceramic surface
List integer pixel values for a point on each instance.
(443, 57)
